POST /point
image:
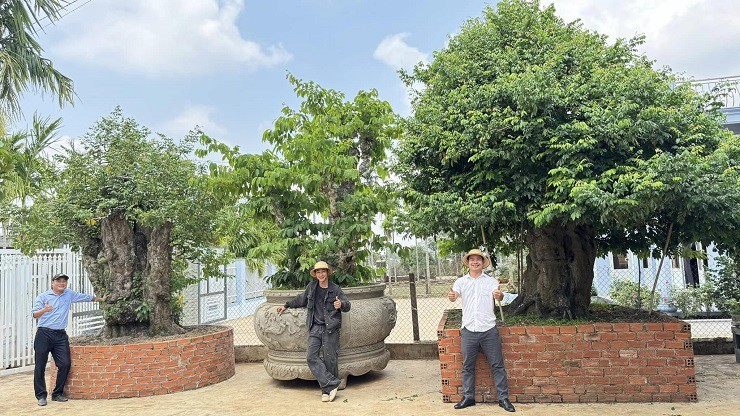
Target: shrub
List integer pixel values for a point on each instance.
(726, 279)
(628, 293)
(684, 299)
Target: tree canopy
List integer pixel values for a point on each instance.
(320, 183)
(131, 202)
(544, 132)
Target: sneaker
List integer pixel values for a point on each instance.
(59, 398)
(42, 401)
(333, 393)
(324, 397)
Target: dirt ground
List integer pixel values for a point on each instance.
(403, 388)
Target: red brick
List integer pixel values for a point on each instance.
(626, 336)
(524, 398)
(645, 335)
(603, 327)
(551, 330)
(665, 335)
(534, 330)
(568, 329)
(609, 336)
(585, 328)
(672, 326)
(591, 337)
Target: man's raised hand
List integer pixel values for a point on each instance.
(452, 295)
(498, 294)
(337, 303)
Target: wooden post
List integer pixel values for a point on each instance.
(429, 271)
(414, 310)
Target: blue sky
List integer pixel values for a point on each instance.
(221, 64)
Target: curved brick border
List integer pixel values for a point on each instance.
(151, 368)
(601, 362)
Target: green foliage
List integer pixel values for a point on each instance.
(21, 64)
(726, 279)
(628, 293)
(525, 120)
(320, 184)
(121, 169)
(685, 299)
(692, 300)
(23, 163)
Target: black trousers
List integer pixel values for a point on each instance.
(56, 342)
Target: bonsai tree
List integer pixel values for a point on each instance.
(321, 183)
(542, 132)
(127, 200)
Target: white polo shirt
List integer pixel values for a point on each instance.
(477, 301)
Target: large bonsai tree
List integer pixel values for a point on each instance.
(545, 133)
(126, 199)
(320, 183)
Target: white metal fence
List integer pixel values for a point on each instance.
(23, 278)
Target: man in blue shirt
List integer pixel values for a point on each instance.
(51, 308)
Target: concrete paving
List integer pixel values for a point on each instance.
(403, 388)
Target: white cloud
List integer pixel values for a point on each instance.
(395, 52)
(188, 119)
(163, 37)
(698, 37)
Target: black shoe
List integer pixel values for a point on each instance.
(506, 404)
(465, 402)
(42, 401)
(59, 398)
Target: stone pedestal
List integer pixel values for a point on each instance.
(361, 339)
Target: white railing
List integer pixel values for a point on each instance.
(730, 85)
(23, 278)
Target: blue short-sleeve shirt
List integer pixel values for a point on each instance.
(57, 318)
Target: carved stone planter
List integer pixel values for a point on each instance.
(361, 339)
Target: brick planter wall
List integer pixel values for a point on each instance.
(601, 362)
(152, 368)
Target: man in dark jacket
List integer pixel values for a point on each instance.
(324, 302)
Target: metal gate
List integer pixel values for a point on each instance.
(212, 299)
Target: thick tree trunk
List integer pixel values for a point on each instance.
(132, 265)
(157, 284)
(560, 271)
(119, 255)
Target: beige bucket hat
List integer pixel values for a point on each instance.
(477, 252)
(321, 265)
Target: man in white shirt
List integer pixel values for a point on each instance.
(479, 331)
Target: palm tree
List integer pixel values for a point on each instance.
(21, 63)
(29, 162)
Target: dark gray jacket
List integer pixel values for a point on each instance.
(332, 316)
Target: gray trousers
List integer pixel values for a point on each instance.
(326, 371)
(490, 342)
